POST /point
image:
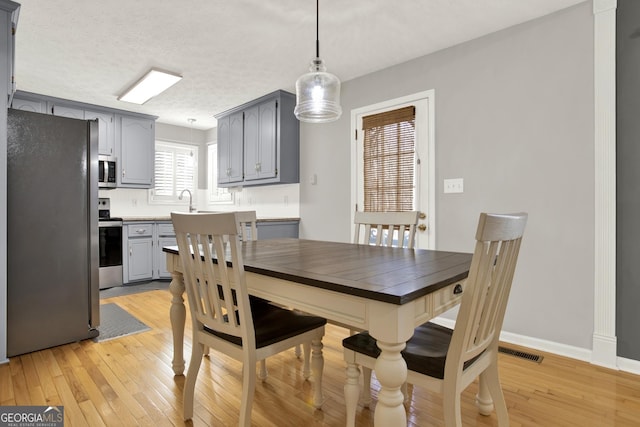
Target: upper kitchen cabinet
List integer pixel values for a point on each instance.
(33, 105)
(9, 12)
(262, 138)
(127, 136)
(135, 138)
(106, 131)
(230, 149)
(105, 124)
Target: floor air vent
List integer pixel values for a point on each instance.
(521, 354)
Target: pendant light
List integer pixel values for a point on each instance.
(318, 92)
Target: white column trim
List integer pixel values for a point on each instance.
(604, 329)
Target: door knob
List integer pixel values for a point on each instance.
(422, 227)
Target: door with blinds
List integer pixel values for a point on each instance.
(394, 162)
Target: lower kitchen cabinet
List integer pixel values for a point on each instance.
(165, 236)
(277, 229)
(143, 243)
(139, 252)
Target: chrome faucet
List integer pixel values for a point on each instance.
(191, 208)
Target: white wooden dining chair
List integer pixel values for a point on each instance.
(445, 360)
(396, 229)
(247, 225)
(223, 317)
(393, 229)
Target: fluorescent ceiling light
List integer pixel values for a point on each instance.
(153, 83)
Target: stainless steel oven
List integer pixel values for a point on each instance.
(110, 241)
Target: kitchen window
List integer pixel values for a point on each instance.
(176, 169)
(215, 195)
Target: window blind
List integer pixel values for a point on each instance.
(176, 168)
(389, 160)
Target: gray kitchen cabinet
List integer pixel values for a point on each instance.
(9, 12)
(278, 229)
(165, 236)
(230, 149)
(106, 131)
(260, 147)
(64, 111)
(139, 240)
(105, 124)
(35, 106)
(269, 146)
(128, 136)
(135, 138)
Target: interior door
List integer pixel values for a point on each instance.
(424, 166)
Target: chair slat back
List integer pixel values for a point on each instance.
(379, 228)
(247, 227)
(484, 300)
(216, 290)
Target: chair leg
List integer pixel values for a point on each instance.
(306, 362)
(484, 400)
(352, 392)
(248, 390)
(190, 382)
(491, 378)
(298, 351)
(317, 366)
(263, 373)
(451, 406)
(366, 389)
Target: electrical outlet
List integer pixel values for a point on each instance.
(454, 185)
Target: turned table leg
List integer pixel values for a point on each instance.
(391, 371)
(177, 314)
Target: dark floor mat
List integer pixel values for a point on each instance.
(116, 322)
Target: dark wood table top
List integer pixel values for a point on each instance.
(391, 275)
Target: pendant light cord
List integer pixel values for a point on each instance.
(317, 28)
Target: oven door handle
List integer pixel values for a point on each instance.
(109, 224)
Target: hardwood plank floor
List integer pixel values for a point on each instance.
(128, 381)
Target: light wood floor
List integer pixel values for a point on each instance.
(129, 381)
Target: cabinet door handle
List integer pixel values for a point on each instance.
(123, 172)
(130, 251)
(258, 167)
(228, 171)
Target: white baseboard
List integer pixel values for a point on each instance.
(583, 354)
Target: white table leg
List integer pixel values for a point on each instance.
(177, 314)
(391, 371)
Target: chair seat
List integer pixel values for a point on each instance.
(274, 324)
(426, 351)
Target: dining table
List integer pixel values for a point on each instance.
(386, 291)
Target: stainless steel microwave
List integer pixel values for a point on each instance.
(106, 172)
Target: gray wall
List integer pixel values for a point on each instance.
(514, 118)
(628, 178)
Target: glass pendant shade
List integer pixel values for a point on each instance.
(318, 95)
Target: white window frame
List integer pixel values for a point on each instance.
(216, 195)
(176, 147)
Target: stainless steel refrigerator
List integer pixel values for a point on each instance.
(52, 231)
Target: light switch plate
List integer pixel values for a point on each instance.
(455, 185)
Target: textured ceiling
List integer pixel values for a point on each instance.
(232, 51)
